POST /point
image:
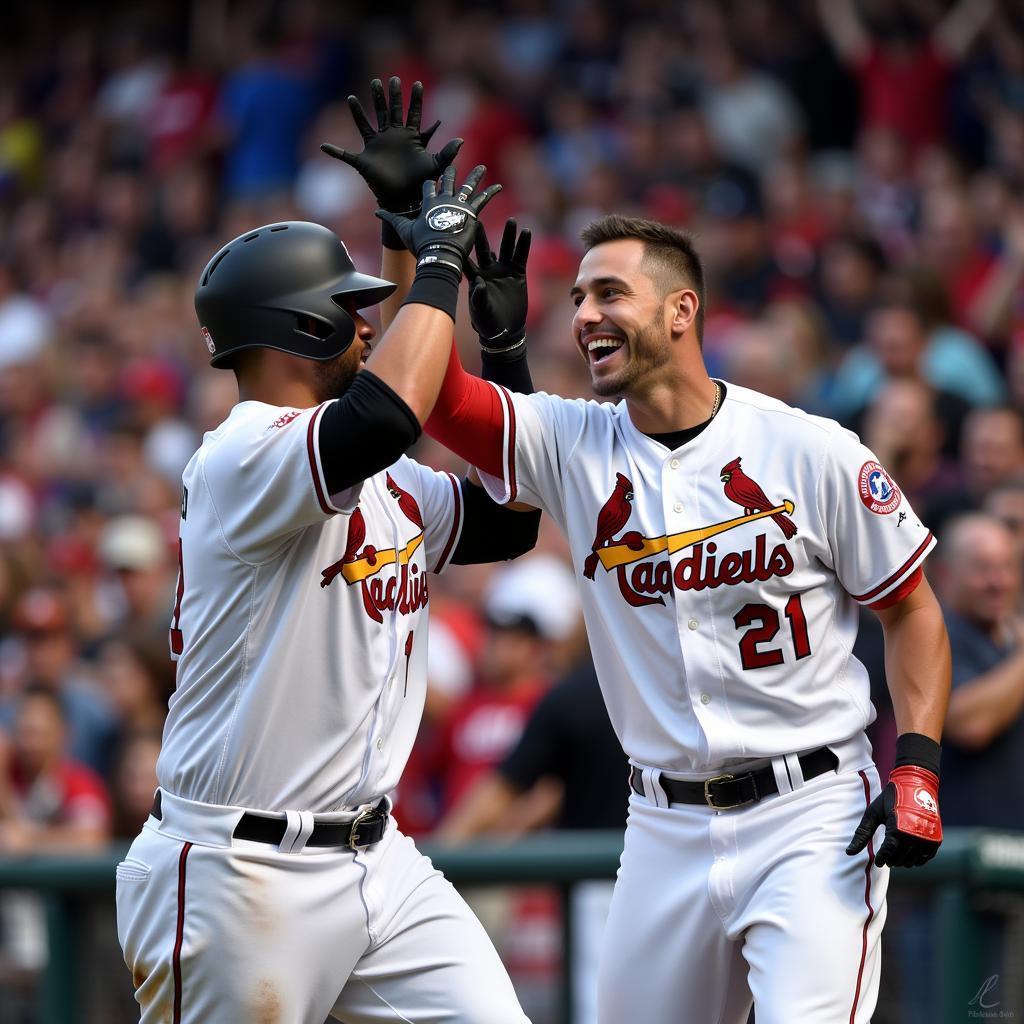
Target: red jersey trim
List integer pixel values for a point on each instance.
(867, 903)
(510, 443)
(179, 934)
(905, 589)
(312, 449)
(910, 564)
(456, 530)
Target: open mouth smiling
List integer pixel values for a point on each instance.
(600, 347)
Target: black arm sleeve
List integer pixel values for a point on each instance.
(510, 369)
(491, 532)
(364, 431)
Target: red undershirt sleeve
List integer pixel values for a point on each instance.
(469, 419)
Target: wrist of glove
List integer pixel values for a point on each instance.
(908, 807)
(505, 347)
(441, 237)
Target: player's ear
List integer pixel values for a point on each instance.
(683, 306)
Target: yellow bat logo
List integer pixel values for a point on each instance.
(615, 555)
(361, 569)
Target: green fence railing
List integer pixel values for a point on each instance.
(969, 861)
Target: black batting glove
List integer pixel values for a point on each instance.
(497, 291)
(394, 161)
(908, 807)
(443, 233)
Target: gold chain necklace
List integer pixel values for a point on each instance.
(718, 399)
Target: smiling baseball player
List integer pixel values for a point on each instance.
(270, 882)
(723, 542)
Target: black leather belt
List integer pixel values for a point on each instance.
(724, 792)
(365, 829)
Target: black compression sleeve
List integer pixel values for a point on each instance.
(491, 532)
(364, 431)
(507, 369)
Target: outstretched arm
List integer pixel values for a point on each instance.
(380, 415)
(917, 662)
(469, 416)
(394, 164)
(955, 33)
(845, 30)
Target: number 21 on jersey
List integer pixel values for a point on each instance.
(768, 625)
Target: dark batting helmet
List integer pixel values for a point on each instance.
(283, 286)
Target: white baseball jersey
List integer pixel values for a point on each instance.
(720, 581)
(300, 625)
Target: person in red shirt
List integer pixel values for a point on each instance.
(903, 67)
(530, 608)
(48, 803)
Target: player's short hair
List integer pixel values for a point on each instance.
(670, 257)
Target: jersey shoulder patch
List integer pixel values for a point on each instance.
(877, 489)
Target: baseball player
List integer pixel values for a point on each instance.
(270, 882)
(723, 542)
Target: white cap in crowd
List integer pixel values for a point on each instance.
(538, 593)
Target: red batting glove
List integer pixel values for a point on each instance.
(909, 809)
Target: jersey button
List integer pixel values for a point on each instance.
(674, 464)
(693, 624)
(705, 698)
(677, 507)
(380, 743)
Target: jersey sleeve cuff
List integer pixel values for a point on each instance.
(878, 596)
(456, 528)
(330, 504)
(505, 489)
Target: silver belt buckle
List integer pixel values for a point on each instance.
(353, 838)
(709, 800)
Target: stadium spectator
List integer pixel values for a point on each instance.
(902, 66)
(1006, 503)
(138, 680)
(566, 770)
(49, 659)
(530, 608)
(53, 804)
(902, 428)
(983, 744)
(133, 783)
(135, 550)
(896, 349)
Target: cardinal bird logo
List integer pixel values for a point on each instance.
(406, 502)
(356, 536)
(748, 495)
(613, 517)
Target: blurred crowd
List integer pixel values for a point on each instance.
(853, 174)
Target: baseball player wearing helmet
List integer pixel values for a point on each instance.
(723, 542)
(271, 882)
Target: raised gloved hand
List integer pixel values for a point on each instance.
(443, 233)
(908, 806)
(497, 291)
(394, 161)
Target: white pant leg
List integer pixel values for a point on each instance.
(263, 935)
(810, 915)
(667, 957)
(430, 960)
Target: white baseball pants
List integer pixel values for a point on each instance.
(218, 930)
(714, 911)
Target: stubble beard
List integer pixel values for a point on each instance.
(648, 352)
(333, 377)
